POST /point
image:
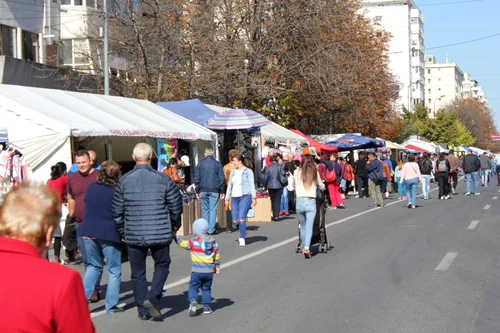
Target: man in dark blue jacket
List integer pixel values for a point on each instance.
(209, 181)
(147, 208)
(375, 171)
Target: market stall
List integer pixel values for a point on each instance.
(318, 146)
(48, 125)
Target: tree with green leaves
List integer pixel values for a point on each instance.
(446, 128)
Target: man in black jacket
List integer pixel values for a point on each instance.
(471, 168)
(209, 181)
(361, 175)
(147, 208)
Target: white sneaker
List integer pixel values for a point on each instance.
(447, 197)
(386, 194)
(477, 193)
(242, 241)
(468, 193)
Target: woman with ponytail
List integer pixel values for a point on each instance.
(58, 183)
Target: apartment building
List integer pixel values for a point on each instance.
(472, 89)
(443, 83)
(405, 22)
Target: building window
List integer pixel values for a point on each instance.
(429, 101)
(428, 71)
(75, 52)
(429, 91)
(7, 41)
(30, 46)
(78, 2)
(65, 2)
(378, 18)
(439, 89)
(428, 80)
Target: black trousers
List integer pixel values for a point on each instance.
(276, 201)
(362, 183)
(454, 176)
(442, 180)
(137, 256)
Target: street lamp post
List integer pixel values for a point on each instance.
(434, 107)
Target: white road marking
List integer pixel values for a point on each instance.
(494, 198)
(473, 225)
(487, 207)
(130, 300)
(446, 262)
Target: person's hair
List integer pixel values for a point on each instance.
(425, 156)
(441, 156)
(340, 158)
(400, 164)
(240, 158)
(274, 157)
(109, 174)
(233, 153)
(451, 151)
(411, 158)
(57, 170)
(27, 213)
(209, 151)
(172, 161)
(372, 154)
(82, 153)
(142, 152)
(309, 171)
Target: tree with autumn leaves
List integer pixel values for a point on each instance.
(319, 66)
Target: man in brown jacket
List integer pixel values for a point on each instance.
(454, 165)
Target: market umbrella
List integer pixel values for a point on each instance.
(352, 141)
(236, 119)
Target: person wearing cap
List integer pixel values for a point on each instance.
(205, 258)
(183, 164)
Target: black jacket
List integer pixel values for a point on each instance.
(147, 207)
(272, 177)
(360, 168)
(208, 176)
(471, 163)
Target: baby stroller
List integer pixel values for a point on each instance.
(319, 226)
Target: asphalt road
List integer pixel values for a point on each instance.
(393, 269)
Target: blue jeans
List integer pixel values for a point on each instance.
(474, 178)
(401, 188)
(209, 208)
(426, 185)
(284, 200)
(306, 211)
(137, 256)
(485, 176)
(203, 281)
(411, 190)
(112, 252)
(239, 211)
(83, 253)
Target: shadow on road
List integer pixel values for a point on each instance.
(255, 239)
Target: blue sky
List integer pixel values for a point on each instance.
(454, 21)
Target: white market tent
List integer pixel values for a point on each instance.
(42, 121)
(427, 146)
(4, 136)
(271, 131)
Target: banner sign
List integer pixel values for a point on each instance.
(166, 150)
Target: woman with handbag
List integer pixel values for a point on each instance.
(275, 181)
(241, 190)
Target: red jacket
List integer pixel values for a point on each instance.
(37, 295)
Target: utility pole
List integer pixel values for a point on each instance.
(106, 69)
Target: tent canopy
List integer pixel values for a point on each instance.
(351, 141)
(81, 114)
(426, 146)
(271, 131)
(320, 147)
(4, 137)
(415, 148)
(192, 109)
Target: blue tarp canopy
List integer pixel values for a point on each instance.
(351, 141)
(191, 109)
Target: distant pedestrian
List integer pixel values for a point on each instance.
(472, 166)
(361, 175)
(334, 187)
(172, 171)
(307, 181)
(37, 296)
(147, 209)
(486, 166)
(375, 171)
(101, 239)
(411, 176)
(241, 190)
(454, 166)
(386, 175)
(442, 173)
(397, 175)
(209, 181)
(497, 162)
(205, 259)
(427, 173)
(274, 183)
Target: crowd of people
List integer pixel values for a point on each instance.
(105, 214)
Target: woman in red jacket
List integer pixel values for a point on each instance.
(42, 296)
(58, 182)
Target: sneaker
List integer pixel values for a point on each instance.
(409, 205)
(94, 297)
(287, 213)
(386, 194)
(242, 242)
(447, 197)
(154, 310)
(477, 193)
(468, 193)
(357, 197)
(334, 207)
(442, 197)
(207, 310)
(282, 213)
(453, 191)
(341, 206)
(192, 309)
(413, 206)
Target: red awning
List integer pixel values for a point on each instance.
(415, 148)
(320, 147)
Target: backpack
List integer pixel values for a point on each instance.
(426, 166)
(346, 174)
(331, 176)
(442, 166)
